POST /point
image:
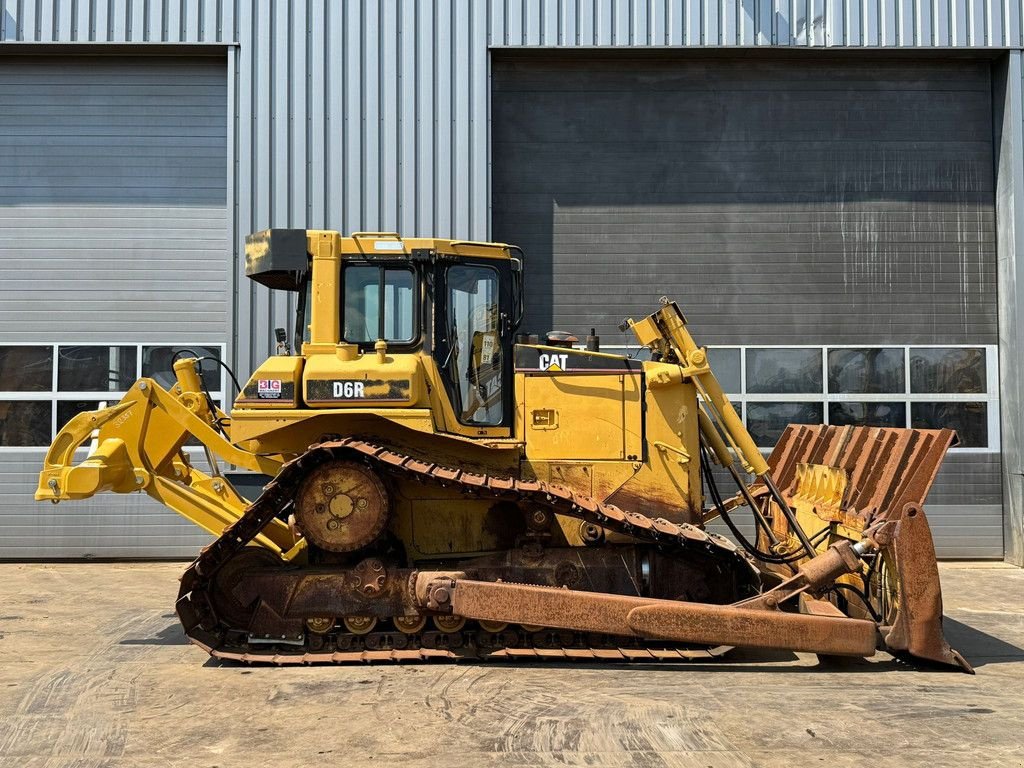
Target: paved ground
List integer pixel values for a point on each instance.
(94, 671)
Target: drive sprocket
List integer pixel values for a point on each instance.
(342, 506)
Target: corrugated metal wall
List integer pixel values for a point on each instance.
(118, 21)
(806, 200)
(113, 176)
(921, 23)
(373, 115)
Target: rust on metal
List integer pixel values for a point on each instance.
(342, 506)
(917, 628)
(881, 467)
(661, 619)
(204, 626)
(729, 625)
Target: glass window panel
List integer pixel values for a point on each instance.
(158, 364)
(784, 371)
(858, 371)
(475, 363)
(361, 311)
(868, 414)
(970, 420)
(25, 423)
(726, 366)
(96, 369)
(26, 369)
(362, 304)
(947, 370)
(765, 421)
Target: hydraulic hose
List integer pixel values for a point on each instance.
(716, 497)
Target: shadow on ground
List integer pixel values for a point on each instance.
(169, 635)
(979, 648)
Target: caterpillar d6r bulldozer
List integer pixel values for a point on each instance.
(440, 486)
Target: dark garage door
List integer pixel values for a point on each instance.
(819, 202)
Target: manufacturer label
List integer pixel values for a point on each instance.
(269, 389)
(389, 245)
(553, 362)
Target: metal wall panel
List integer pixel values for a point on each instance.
(901, 23)
(1009, 215)
(395, 136)
(117, 21)
(113, 228)
(844, 202)
(113, 178)
(395, 94)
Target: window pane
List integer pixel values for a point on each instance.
(784, 371)
(475, 364)
(398, 305)
(361, 311)
(970, 420)
(25, 423)
(865, 370)
(96, 369)
(765, 421)
(26, 369)
(868, 414)
(725, 363)
(947, 370)
(158, 364)
(362, 304)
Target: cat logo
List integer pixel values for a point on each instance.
(553, 362)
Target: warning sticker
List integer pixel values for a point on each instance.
(269, 389)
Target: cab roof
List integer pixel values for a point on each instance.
(277, 258)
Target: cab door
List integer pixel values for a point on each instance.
(472, 332)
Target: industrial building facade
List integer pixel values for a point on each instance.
(832, 190)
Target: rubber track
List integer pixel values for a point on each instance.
(675, 539)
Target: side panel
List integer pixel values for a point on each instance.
(582, 417)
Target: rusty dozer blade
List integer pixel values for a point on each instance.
(867, 479)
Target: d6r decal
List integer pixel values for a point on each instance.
(348, 390)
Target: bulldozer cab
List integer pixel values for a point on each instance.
(384, 322)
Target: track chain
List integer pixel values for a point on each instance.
(676, 539)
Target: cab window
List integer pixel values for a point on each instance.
(379, 303)
(475, 363)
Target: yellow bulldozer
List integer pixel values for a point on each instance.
(442, 486)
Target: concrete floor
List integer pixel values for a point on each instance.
(94, 671)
